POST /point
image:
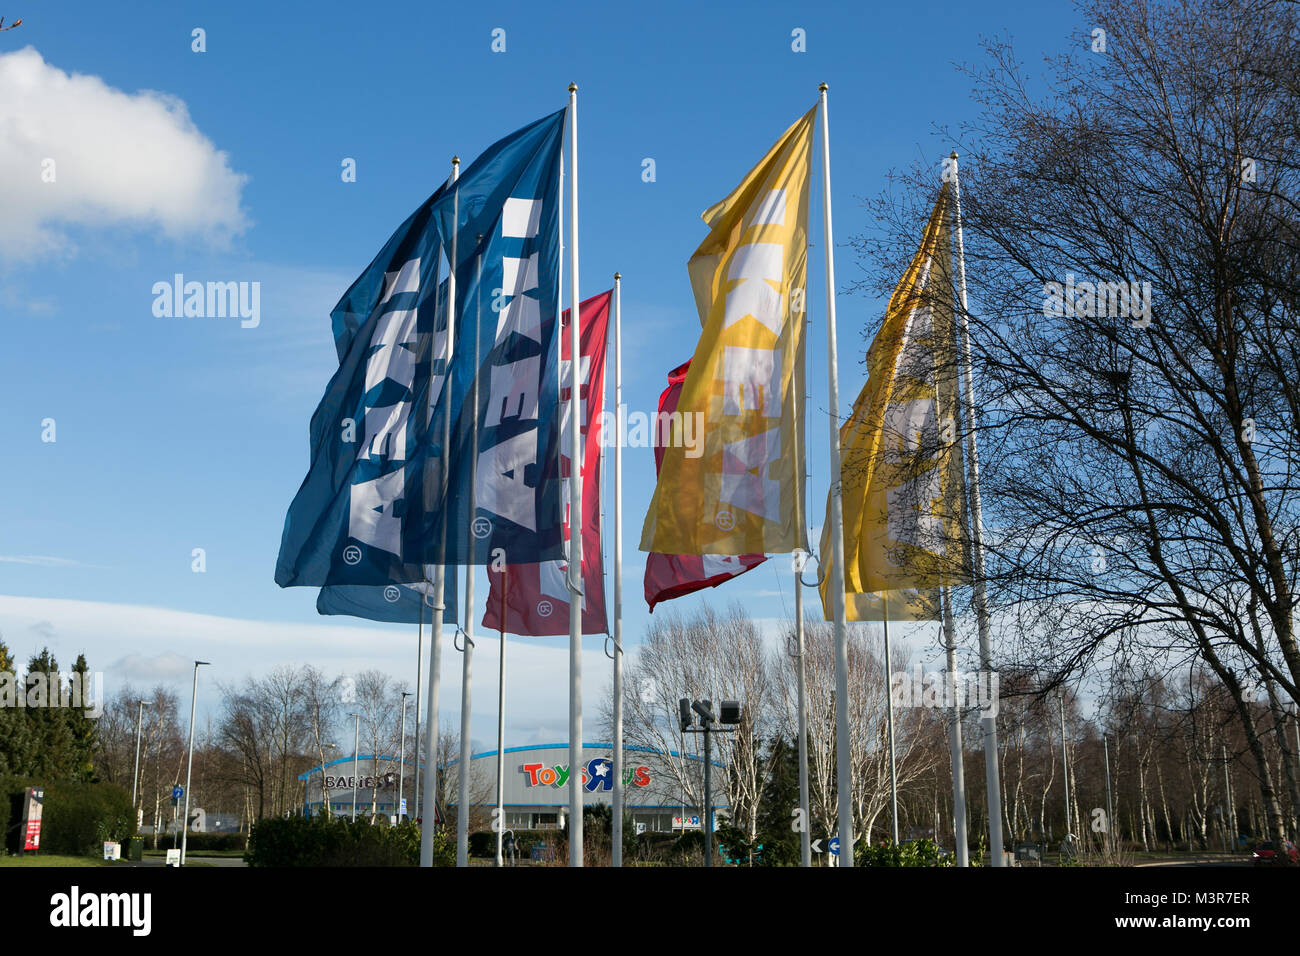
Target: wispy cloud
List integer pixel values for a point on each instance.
(43, 561)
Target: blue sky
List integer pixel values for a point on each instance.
(175, 434)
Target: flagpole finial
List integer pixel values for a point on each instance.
(455, 160)
(573, 87)
(617, 276)
(822, 87)
(953, 154)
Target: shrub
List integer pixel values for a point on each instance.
(336, 841)
(76, 820)
(912, 853)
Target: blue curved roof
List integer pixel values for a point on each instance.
(627, 748)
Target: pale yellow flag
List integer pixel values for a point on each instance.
(734, 492)
(904, 526)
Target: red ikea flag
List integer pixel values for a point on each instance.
(536, 596)
(669, 576)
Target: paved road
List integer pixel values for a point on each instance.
(221, 861)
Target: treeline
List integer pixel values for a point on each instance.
(265, 733)
(1182, 775)
(48, 740)
(1139, 469)
(46, 728)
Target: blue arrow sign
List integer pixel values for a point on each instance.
(178, 792)
(834, 846)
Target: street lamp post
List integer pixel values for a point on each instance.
(135, 777)
(189, 767)
(401, 759)
(1110, 809)
(356, 762)
(728, 713)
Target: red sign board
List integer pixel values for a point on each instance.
(32, 837)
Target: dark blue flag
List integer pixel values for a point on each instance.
(344, 525)
(502, 220)
(395, 603)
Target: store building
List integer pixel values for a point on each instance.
(536, 785)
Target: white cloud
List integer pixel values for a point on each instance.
(40, 560)
(142, 645)
(133, 159)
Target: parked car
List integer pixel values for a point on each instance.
(1265, 854)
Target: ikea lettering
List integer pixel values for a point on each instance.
(513, 387)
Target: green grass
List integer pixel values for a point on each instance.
(52, 860)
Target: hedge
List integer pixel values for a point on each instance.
(336, 841)
(76, 820)
(484, 843)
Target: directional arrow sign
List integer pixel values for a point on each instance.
(834, 846)
(816, 846)
(178, 792)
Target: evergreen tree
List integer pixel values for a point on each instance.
(12, 725)
(83, 729)
(50, 754)
(776, 834)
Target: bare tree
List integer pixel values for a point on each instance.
(321, 711)
(1131, 242)
(378, 703)
(710, 656)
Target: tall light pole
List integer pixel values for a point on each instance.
(1110, 808)
(1065, 770)
(356, 762)
(728, 713)
(189, 768)
(401, 760)
(135, 777)
(1230, 814)
(1295, 724)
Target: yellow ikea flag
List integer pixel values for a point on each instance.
(904, 526)
(734, 491)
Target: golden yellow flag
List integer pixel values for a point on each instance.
(904, 526)
(734, 491)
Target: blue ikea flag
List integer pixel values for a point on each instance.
(503, 213)
(394, 603)
(390, 328)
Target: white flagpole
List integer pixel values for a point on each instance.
(575, 505)
(800, 473)
(954, 735)
(501, 720)
(989, 722)
(843, 752)
(617, 824)
(419, 686)
(805, 838)
(429, 820)
(893, 769)
(467, 614)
